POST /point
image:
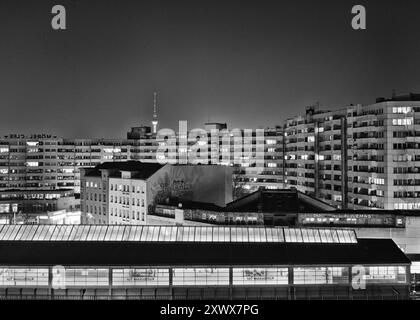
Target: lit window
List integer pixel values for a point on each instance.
(200, 276)
(321, 275)
(140, 277)
(268, 276)
(12, 277)
(87, 277)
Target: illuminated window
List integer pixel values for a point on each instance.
(320, 157)
(87, 277)
(260, 276)
(4, 208)
(377, 181)
(140, 277)
(402, 122)
(11, 277)
(321, 275)
(32, 164)
(200, 276)
(385, 274)
(401, 110)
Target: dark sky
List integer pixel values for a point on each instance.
(247, 63)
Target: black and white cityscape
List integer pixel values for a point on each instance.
(209, 150)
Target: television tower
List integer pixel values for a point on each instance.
(155, 117)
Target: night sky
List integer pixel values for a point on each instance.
(247, 63)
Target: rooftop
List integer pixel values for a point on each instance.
(162, 246)
(142, 170)
(286, 201)
(115, 233)
(193, 205)
(367, 252)
(400, 97)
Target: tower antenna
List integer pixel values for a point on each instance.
(155, 117)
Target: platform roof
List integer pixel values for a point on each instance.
(117, 233)
(93, 254)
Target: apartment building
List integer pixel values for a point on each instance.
(116, 193)
(384, 155)
(126, 192)
(357, 157)
(314, 148)
(268, 173)
(50, 162)
(39, 163)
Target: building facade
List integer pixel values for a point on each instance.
(358, 157)
(126, 192)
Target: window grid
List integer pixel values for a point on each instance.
(260, 276)
(140, 277)
(26, 277)
(200, 276)
(321, 275)
(211, 276)
(87, 277)
(385, 274)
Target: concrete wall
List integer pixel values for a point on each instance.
(212, 184)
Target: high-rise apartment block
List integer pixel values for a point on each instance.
(358, 157)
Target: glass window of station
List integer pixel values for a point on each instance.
(202, 276)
